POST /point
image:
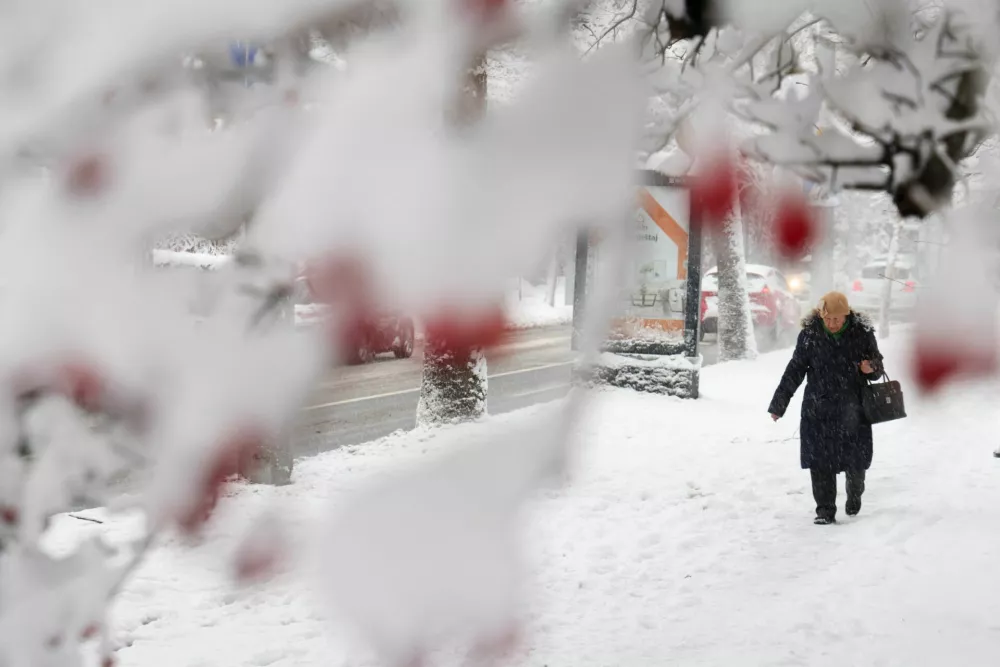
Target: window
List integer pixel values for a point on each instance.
(756, 282)
(873, 271)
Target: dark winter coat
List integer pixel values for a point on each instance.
(833, 434)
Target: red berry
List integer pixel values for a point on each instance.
(934, 365)
(794, 226)
(713, 191)
(462, 334)
(484, 9)
(932, 370)
(341, 280)
(234, 457)
(88, 176)
(261, 551)
(499, 646)
(255, 564)
(82, 384)
(9, 515)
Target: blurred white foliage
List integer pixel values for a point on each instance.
(423, 210)
(434, 551)
(964, 293)
(104, 370)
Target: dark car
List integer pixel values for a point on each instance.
(383, 332)
(377, 334)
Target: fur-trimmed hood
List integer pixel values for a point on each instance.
(860, 319)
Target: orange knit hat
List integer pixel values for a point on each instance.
(834, 304)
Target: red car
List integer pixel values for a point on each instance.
(775, 309)
(380, 333)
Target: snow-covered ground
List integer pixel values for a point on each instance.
(685, 537)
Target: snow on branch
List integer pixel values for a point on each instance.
(907, 89)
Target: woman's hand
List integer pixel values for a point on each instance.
(775, 418)
(866, 367)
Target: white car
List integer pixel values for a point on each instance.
(866, 291)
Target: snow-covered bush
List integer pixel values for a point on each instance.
(673, 375)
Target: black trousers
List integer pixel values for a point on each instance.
(824, 483)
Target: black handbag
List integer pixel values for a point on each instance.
(882, 401)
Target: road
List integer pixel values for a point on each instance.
(355, 404)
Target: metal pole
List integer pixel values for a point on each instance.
(692, 305)
(579, 285)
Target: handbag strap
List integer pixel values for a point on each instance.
(879, 377)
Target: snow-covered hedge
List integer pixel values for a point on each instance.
(673, 375)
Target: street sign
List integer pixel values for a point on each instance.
(658, 314)
(242, 54)
(651, 302)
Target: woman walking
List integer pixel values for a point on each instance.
(836, 352)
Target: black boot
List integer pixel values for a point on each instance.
(824, 487)
(855, 488)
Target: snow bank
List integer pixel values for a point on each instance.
(529, 309)
(201, 260)
(685, 537)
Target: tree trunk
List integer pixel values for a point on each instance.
(885, 311)
(453, 386)
(736, 333)
(550, 280)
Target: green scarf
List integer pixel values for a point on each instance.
(835, 334)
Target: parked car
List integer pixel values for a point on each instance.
(381, 332)
(775, 309)
(866, 290)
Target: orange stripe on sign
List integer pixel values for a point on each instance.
(669, 226)
(632, 325)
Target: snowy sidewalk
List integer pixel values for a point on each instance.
(685, 538)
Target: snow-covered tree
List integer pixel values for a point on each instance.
(736, 330)
(849, 95)
(454, 382)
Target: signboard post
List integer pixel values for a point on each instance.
(579, 286)
(692, 313)
(656, 330)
